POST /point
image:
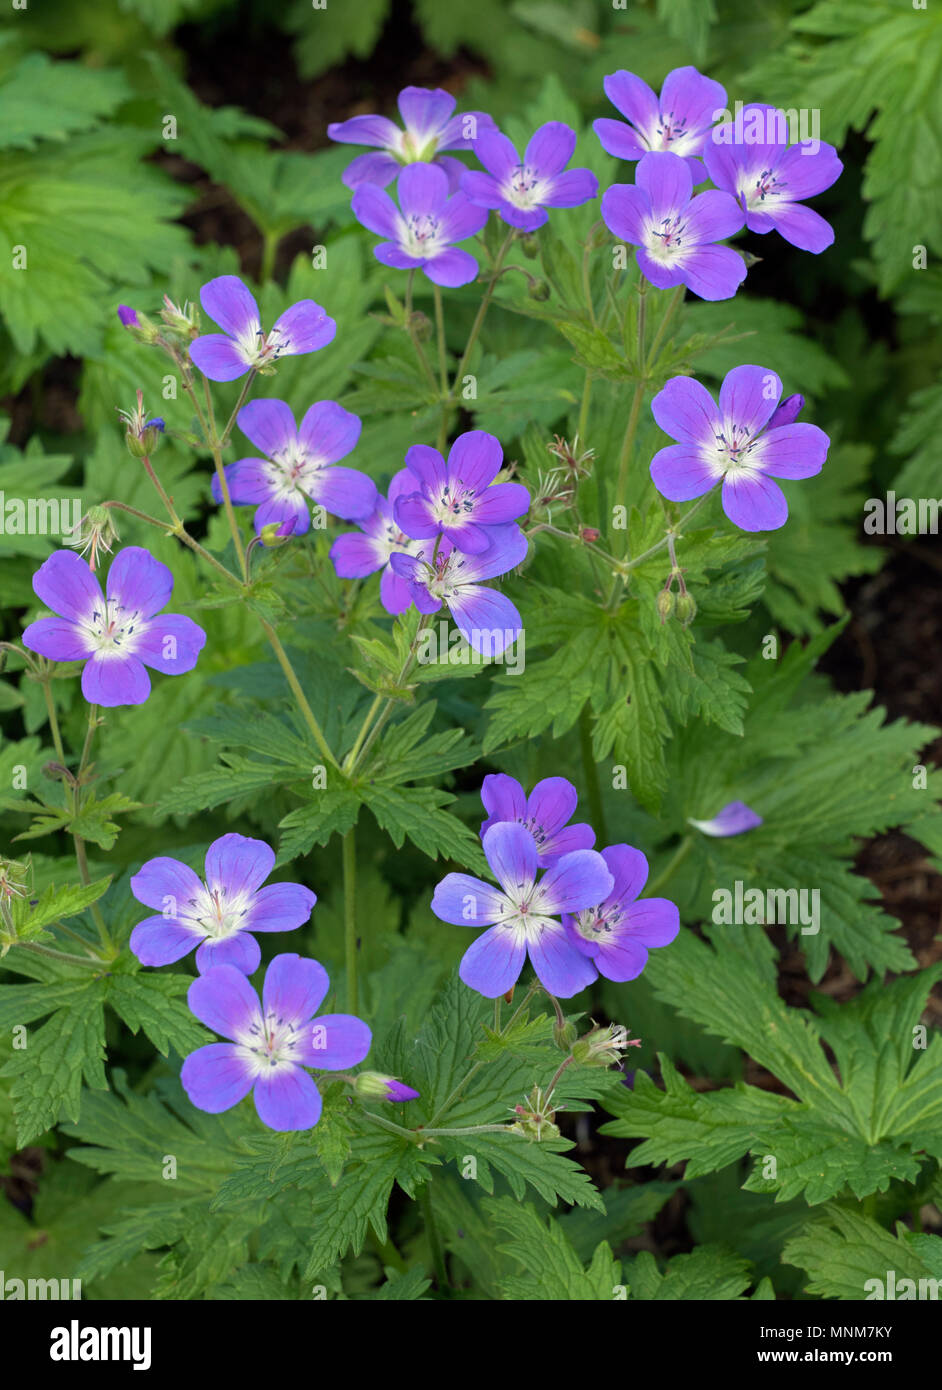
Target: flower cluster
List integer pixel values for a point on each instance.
(446, 527)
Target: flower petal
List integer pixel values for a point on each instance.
(231, 304)
(754, 502)
(423, 190)
(162, 941)
(305, 327)
(633, 98)
(576, 881)
(286, 1098)
(666, 180)
(550, 149)
(217, 1077)
(792, 451)
(376, 211)
(58, 639)
(240, 950)
(166, 885)
(551, 804)
(65, 584)
(295, 988)
(492, 963)
(504, 799)
(224, 1000)
(328, 432)
(680, 472)
(424, 110)
(115, 680)
(238, 864)
(365, 130)
(714, 272)
(346, 492)
(626, 210)
(748, 397)
(219, 358)
(510, 850)
(734, 819)
(452, 268)
(465, 901)
(170, 643)
(280, 907)
(560, 968)
(269, 425)
(334, 1042)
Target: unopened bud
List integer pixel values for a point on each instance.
(538, 289)
(565, 1035)
(590, 534)
(138, 325)
(530, 246)
(666, 603)
(686, 609)
(377, 1086)
(277, 533)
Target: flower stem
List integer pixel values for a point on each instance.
(216, 448)
(482, 312)
(299, 695)
(350, 916)
(38, 950)
(667, 873)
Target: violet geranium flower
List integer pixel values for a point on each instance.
(487, 620)
(616, 934)
(459, 500)
(734, 819)
(242, 345)
(752, 159)
(545, 813)
(420, 233)
(271, 1043)
(675, 233)
(736, 443)
(300, 465)
(217, 915)
(430, 128)
(522, 189)
(117, 633)
(679, 120)
(522, 914)
(356, 556)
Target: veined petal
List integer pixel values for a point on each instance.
(792, 451)
(305, 327)
(231, 304)
(754, 502)
(685, 410)
(238, 864)
(139, 582)
(58, 639)
(748, 397)
(511, 852)
(365, 130)
(492, 963)
(65, 584)
(487, 619)
(504, 799)
(465, 901)
(346, 492)
(249, 481)
(626, 210)
(224, 1000)
(452, 268)
(633, 98)
(550, 149)
(219, 358)
(666, 180)
(162, 941)
(680, 472)
(355, 556)
(286, 1099)
(115, 680)
(165, 884)
(334, 1042)
(280, 907)
(170, 643)
(241, 951)
(424, 110)
(376, 211)
(576, 881)
(552, 803)
(423, 190)
(560, 968)
(269, 425)
(714, 272)
(295, 987)
(618, 139)
(629, 869)
(217, 1077)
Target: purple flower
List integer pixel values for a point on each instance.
(545, 813)
(430, 128)
(678, 122)
(127, 316)
(459, 499)
(270, 1042)
(216, 915)
(487, 620)
(356, 556)
(522, 189)
(751, 158)
(675, 233)
(787, 412)
(116, 634)
(299, 465)
(734, 819)
(241, 345)
(617, 933)
(523, 913)
(421, 231)
(736, 443)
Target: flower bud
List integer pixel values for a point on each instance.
(786, 412)
(185, 321)
(142, 433)
(538, 289)
(138, 325)
(590, 534)
(530, 246)
(666, 603)
(686, 609)
(277, 533)
(565, 1035)
(95, 532)
(377, 1086)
